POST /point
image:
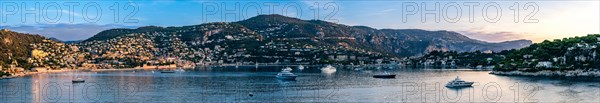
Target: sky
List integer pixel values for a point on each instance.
(492, 21)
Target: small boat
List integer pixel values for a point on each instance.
(328, 69)
(287, 69)
(457, 82)
(167, 71)
(385, 75)
(77, 80)
(286, 74)
(301, 67)
(358, 69)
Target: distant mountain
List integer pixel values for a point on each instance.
(73, 42)
(401, 42)
(515, 44)
(55, 39)
(107, 34)
(396, 42)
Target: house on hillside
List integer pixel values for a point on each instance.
(544, 64)
(39, 69)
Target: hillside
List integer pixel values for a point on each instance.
(16, 47)
(400, 42)
(276, 39)
(559, 54)
(567, 57)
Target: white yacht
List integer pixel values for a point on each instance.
(286, 74)
(457, 82)
(328, 69)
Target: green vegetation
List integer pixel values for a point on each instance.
(575, 53)
(564, 54)
(15, 47)
(4, 74)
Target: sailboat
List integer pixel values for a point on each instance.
(77, 79)
(255, 65)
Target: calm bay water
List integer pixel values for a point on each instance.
(248, 84)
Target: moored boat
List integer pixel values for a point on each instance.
(167, 71)
(77, 80)
(286, 74)
(457, 82)
(301, 67)
(384, 75)
(328, 69)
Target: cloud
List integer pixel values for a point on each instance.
(495, 36)
(65, 32)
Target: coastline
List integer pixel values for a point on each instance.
(34, 73)
(67, 70)
(109, 70)
(548, 73)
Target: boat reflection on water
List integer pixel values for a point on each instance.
(247, 84)
(286, 81)
(458, 91)
(459, 88)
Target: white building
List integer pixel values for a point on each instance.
(545, 64)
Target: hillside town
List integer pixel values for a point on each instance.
(576, 56)
(167, 50)
(280, 40)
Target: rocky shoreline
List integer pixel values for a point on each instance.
(66, 70)
(548, 73)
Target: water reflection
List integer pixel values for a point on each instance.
(228, 84)
(456, 89)
(280, 81)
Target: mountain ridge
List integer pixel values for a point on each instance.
(400, 42)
